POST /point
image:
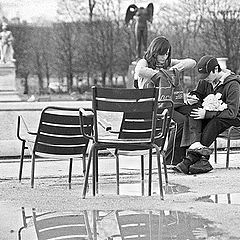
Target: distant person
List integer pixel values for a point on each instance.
(6, 49)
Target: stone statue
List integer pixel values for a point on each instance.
(6, 48)
(142, 15)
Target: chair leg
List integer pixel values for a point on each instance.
(165, 170)
(228, 148)
(229, 198)
(117, 173)
(96, 171)
(142, 174)
(87, 173)
(159, 171)
(70, 173)
(21, 161)
(215, 151)
(150, 173)
(174, 142)
(84, 164)
(33, 169)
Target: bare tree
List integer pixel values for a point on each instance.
(22, 38)
(222, 30)
(66, 47)
(76, 10)
(181, 23)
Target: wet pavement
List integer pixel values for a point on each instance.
(31, 224)
(183, 217)
(224, 198)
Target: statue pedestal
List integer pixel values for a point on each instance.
(8, 91)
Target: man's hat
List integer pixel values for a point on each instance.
(206, 64)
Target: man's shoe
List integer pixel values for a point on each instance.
(183, 167)
(201, 166)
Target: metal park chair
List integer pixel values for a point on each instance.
(62, 226)
(233, 133)
(59, 136)
(132, 128)
(142, 225)
(143, 105)
(57, 225)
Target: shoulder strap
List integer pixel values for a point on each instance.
(169, 78)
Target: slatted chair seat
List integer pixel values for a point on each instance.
(59, 136)
(142, 130)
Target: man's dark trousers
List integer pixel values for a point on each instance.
(213, 127)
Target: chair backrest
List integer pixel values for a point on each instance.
(53, 225)
(133, 225)
(138, 125)
(139, 104)
(59, 133)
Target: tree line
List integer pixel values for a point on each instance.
(93, 40)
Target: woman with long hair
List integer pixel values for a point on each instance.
(157, 56)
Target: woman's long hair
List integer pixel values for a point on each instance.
(158, 46)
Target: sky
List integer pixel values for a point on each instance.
(30, 10)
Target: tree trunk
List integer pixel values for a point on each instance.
(88, 79)
(25, 85)
(40, 83)
(124, 81)
(70, 82)
(104, 74)
(111, 78)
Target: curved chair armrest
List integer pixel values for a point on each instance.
(32, 133)
(171, 105)
(84, 113)
(19, 120)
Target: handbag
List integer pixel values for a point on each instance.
(170, 86)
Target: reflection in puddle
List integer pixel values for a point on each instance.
(228, 198)
(136, 189)
(116, 225)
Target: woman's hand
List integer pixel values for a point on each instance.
(198, 113)
(192, 99)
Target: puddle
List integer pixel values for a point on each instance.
(134, 188)
(111, 225)
(226, 198)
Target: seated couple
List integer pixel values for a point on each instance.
(197, 128)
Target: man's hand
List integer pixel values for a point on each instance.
(192, 99)
(198, 113)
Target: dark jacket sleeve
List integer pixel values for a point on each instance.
(202, 90)
(232, 101)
